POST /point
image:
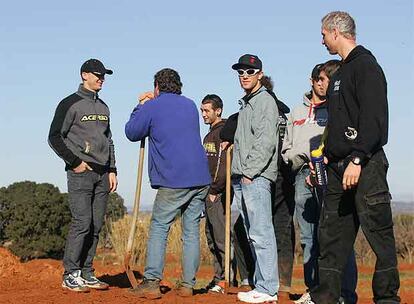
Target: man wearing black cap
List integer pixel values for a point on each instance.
(254, 169)
(81, 136)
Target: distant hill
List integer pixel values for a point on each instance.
(399, 207)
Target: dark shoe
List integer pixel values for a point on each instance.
(149, 289)
(91, 281)
(184, 291)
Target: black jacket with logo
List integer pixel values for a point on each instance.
(357, 107)
(80, 132)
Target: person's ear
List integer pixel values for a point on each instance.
(336, 33)
(311, 81)
(156, 90)
(84, 76)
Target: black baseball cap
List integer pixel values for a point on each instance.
(95, 66)
(316, 70)
(248, 60)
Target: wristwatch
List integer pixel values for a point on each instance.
(356, 160)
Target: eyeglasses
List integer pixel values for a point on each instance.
(249, 72)
(100, 76)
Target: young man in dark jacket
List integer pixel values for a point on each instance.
(211, 110)
(178, 169)
(357, 193)
(81, 136)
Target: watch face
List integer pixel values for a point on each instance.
(356, 160)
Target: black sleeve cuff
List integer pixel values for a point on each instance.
(76, 162)
(362, 156)
(113, 170)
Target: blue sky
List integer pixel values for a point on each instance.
(43, 44)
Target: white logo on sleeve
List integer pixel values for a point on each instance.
(336, 85)
(351, 133)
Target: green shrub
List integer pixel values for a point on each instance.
(35, 219)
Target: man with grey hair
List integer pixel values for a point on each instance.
(357, 192)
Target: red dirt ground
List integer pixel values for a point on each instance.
(39, 281)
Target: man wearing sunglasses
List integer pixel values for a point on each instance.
(81, 136)
(254, 169)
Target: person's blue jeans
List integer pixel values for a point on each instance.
(255, 205)
(307, 214)
(168, 203)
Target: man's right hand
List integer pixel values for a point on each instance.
(82, 168)
(311, 179)
(224, 145)
(144, 97)
(212, 197)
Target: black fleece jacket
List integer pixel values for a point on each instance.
(357, 107)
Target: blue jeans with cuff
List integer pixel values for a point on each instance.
(254, 202)
(168, 204)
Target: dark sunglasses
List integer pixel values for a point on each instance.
(98, 75)
(249, 72)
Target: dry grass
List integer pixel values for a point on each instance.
(119, 236)
(119, 231)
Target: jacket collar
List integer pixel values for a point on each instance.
(86, 93)
(246, 99)
(222, 122)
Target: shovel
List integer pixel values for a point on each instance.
(228, 219)
(133, 229)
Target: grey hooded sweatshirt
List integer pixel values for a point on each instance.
(256, 138)
(305, 127)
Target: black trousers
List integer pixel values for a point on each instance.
(343, 212)
(283, 209)
(88, 196)
(215, 233)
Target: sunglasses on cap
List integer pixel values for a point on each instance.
(99, 75)
(248, 72)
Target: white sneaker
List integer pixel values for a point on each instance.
(74, 282)
(254, 296)
(216, 289)
(304, 299)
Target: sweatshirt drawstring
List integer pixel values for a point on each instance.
(310, 110)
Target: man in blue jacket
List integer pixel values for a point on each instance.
(178, 168)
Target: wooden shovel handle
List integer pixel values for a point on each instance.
(131, 237)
